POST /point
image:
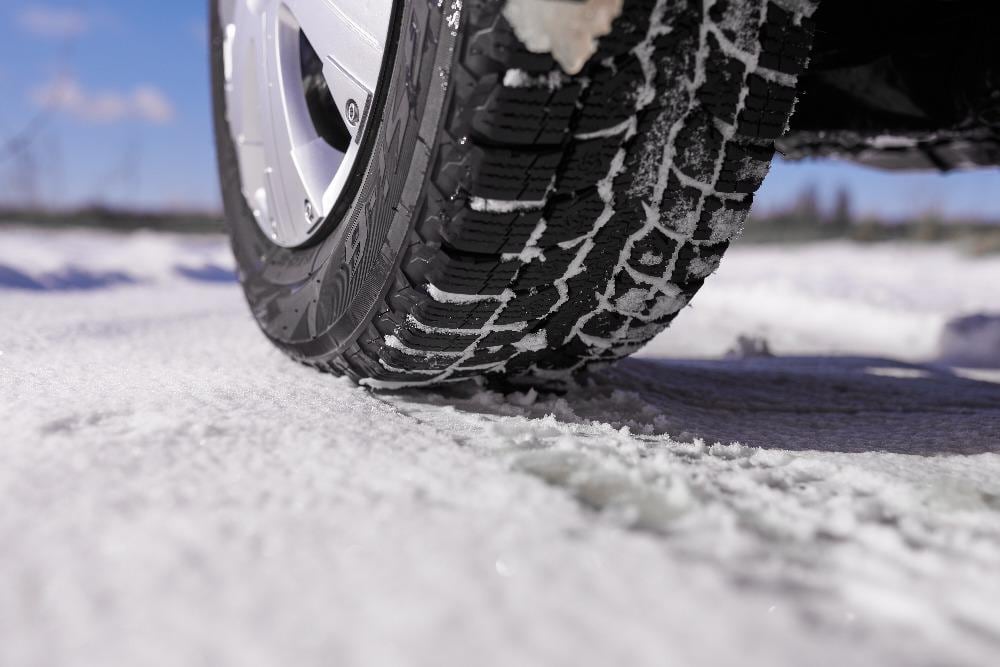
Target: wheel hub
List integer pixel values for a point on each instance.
(297, 139)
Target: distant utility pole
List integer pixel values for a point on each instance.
(21, 141)
(843, 216)
(124, 176)
(25, 177)
(17, 153)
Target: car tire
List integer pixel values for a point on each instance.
(510, 220)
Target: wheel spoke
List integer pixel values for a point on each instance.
(346, 32)
(291, 176)
(346, 36)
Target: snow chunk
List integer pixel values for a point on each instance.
(441, 296)
(632, 301)
(625, 499)
(533, 342)
(973, 340)
(899, 372)
(750, 347)
(504, 205)
(518, 78)
(651, 259)
(567, 30)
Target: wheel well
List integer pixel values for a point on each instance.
(902, 83)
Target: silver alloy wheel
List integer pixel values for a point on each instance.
(291, 175)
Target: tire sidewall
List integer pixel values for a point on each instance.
(315, 300)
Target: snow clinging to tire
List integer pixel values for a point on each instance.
(568, 30)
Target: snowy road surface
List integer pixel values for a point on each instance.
(173, 491)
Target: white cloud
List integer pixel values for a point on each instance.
(145, 102)
(149, 103)
(53, 21)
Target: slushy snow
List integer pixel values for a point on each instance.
(175, 491)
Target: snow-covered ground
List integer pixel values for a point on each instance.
(173, 491)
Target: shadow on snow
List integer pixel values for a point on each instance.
(73, 278)
(841, 404)
(67, 279)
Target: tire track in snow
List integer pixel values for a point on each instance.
(856, 543)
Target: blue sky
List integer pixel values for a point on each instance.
(122, 89)
(127, 83)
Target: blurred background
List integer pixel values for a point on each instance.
(106, 104)
(106, 116)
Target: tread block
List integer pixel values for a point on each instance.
(766, 108)
(490, 233)
(526, 115)
(502, 337)
(741, 28)
(427, 341)
(729, 221)
(744, 167)
(710, 208)
(529, 306)
(566, 356)
(586, 163)
(570, 218)
(610, 98)
(492, 45)
(604, 323)
(677, 210)
(695, 262)
(400, 359)
(627, 31)
(539, 272)
(483, 356)
(644, 159)
(624, 223)
(632, 298)
(507, 174)
(784, 45)
(697, 147)
(471, 274)
(723, 87)
(455, 315)
(653, 254)
(677, 50)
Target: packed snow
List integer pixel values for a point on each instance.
(795, 474)
(567, 30)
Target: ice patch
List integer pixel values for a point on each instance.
(567, 30)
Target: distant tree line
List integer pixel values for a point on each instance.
(806, 220)
(114, 219)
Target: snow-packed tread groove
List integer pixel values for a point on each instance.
(568, 219)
